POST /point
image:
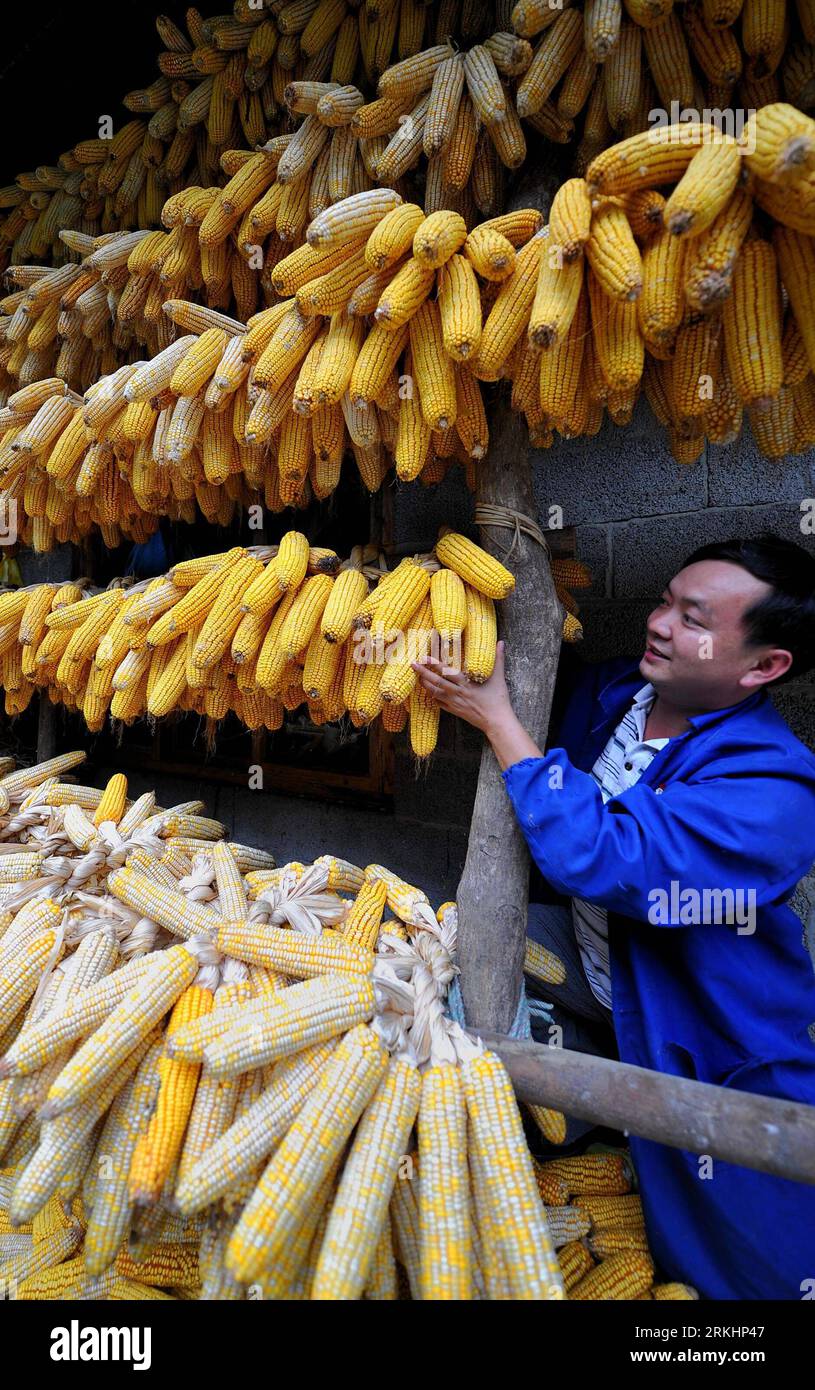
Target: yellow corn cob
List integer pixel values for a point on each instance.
(480, 635)
(130, 1021)
(543, 965)
(444, 1197)
(779, 143)
(292, 954)
(570, 218)
(774, 428)
(21, 973)
(362, 924)
(796, 260)
(704, 189)
(490, 253)
(434, 374)
(692, 368)
(592, 1174)
(158, 1147)
(474, 565)
(303, 1015)
(654, 157)
(752, 325)
(575, 1261)
(445, 95)
(612, 252)
(557, 294)
(128, 1114)
(509, 314)
(551, 1123)
(349, 590)
(354, 216)
(423, 715)
(621, 1276)
(762, 33)
(551, 58)
(347, 1260)
(668, 60)
(437, 238)
(616, 338)
(114, 800)
(345, 1086)
(449, 604)
(612, 1241)
(518, 1212)
(460, 308)
(252, 1135)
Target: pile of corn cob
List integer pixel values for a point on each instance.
(263, 630)
(189, 1042)
(597, 1227)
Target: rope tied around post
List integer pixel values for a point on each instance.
(488, 514)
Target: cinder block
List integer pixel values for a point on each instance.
(798, 708)
(645, 554)
(612, 627)
(593, 547)
(619, 473)
(739, 475)
(419, 511)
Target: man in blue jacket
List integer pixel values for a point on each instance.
(677, 813)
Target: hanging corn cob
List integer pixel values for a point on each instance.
(252, 632)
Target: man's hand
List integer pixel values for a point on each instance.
(484, 706)
(487, 707)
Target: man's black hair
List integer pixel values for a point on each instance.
(786, 617)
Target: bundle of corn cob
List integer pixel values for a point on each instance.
(693, 280)
(617, 63)
(597, 1227)
(158, 1115)
(272, 404)
(257, 632)
(76, 322)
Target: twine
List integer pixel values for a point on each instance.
(521, 1024)
(486, 514)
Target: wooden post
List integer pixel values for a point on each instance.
(761, 1132)
(493, 894)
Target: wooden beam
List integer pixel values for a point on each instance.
(493, 894)
(760, 1132)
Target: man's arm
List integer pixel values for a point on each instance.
(750, 831)
(730, 828)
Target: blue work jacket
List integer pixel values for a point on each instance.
(730, 804)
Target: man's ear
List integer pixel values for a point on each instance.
(770, 666)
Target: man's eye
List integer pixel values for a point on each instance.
(692, 622)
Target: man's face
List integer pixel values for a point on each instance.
(695, 648)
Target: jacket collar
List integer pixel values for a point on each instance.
(617, 694)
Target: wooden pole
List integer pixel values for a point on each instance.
(493, 894)
(770, 1135)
